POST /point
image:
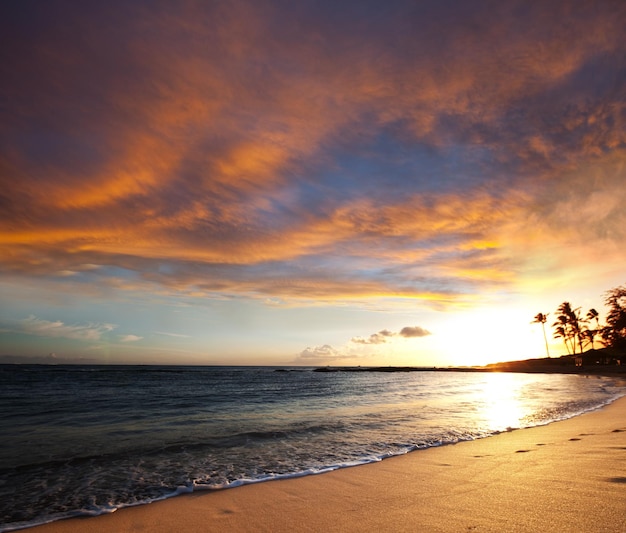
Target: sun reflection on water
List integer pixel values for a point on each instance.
(503, 402)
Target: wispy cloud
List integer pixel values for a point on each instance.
(178, 335)
(46, 328)
(130, 338)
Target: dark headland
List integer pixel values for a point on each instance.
(602, 362)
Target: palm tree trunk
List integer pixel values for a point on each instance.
(545, 339)
(569, 352)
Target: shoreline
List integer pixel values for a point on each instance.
(593, 363)
(565, 476)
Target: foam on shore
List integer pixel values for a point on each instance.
(566, 476)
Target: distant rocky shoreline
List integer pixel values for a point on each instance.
(605, 361)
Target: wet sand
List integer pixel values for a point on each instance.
(569, 476)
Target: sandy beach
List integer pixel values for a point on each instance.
(568, 476)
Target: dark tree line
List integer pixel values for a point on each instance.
(578, 331)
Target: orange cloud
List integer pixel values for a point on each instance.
(300, 157)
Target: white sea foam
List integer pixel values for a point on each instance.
(175, 431)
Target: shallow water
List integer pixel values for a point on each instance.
(87, 440)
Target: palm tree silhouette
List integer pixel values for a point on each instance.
(561, 330)
(590, 334)
(614, 333)
(570, 320)
(592, 314)
(540, 318)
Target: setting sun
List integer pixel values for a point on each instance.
(260, 240)
(246, 185)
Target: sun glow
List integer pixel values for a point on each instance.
(484, 336)
(503, 407)
(291, 187)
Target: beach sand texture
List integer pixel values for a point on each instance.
(569, 476)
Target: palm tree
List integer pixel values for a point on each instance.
(570, 319)
(540, 318)
(561, 329)
(588, 333)
(614, 333)
(592, 314)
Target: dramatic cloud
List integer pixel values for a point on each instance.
(436, 153)
(147, 151)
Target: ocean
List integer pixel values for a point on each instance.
(87, 440)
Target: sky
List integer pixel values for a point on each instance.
(307, 183)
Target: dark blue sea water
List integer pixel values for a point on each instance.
(86, 440)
